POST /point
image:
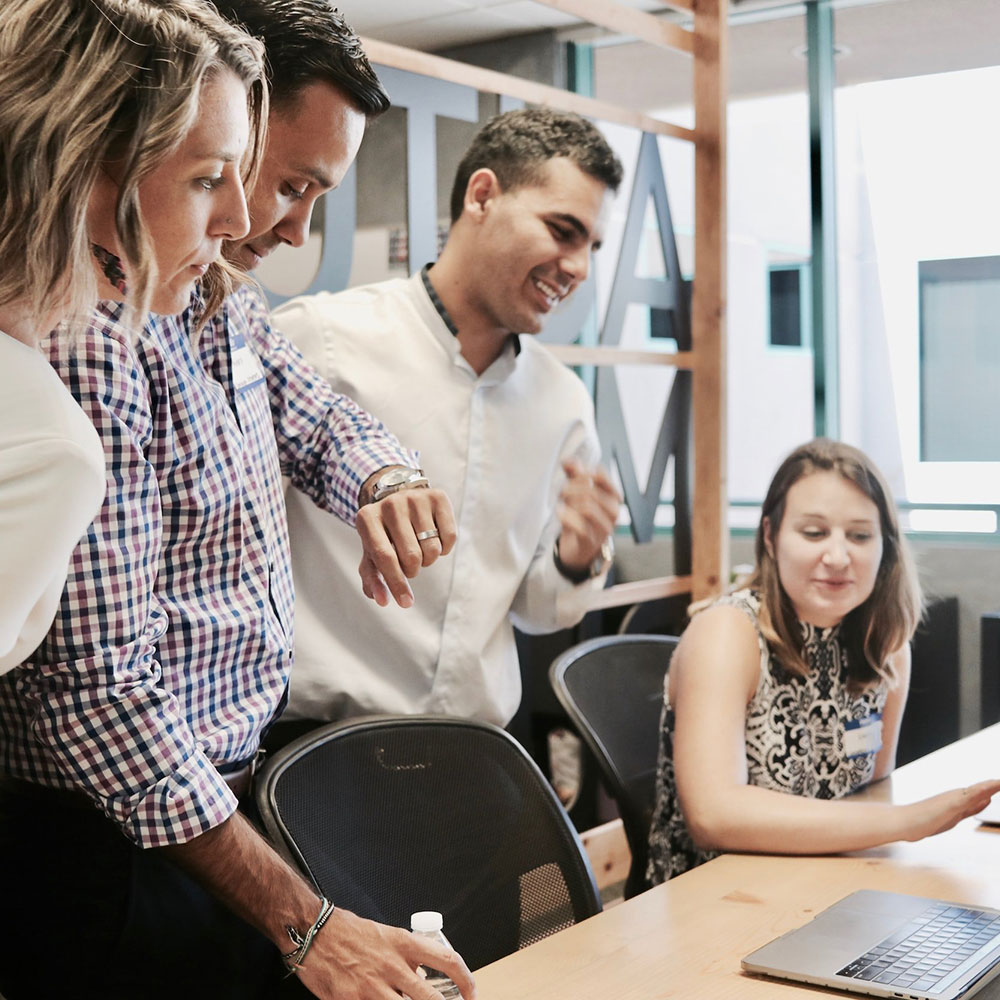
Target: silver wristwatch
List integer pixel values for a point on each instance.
(397, 479)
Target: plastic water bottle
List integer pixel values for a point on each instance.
(428, 924)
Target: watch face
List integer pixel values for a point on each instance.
(394, 478)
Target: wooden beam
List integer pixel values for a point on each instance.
(681, 6)
(710, 530)
(637, 591)
(512, 86)
(627, 21)
(607, 850)
(574, 354)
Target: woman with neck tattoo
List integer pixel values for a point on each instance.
(127, 129)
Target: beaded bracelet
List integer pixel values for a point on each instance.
(293, 960)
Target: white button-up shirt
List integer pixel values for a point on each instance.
(495, 444)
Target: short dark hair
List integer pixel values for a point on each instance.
(306, 41)
(516, 144)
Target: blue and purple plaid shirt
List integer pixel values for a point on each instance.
(172, 645)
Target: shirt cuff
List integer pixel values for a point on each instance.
(181, 806)
(359, 465)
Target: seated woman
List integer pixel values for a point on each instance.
(105, 109)
(787, 695)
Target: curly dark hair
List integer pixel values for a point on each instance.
(306, 41)
(516, 144)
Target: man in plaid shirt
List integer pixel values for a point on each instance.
(171, 650)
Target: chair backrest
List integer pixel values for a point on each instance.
(612, 690)
(662, 616)
(388, 815)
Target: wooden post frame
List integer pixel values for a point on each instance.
(710, 527)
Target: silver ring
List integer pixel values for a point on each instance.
(433, 533)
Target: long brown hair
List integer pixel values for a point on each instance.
(85, 82)
(876, 628)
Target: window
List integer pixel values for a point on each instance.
(661, 321)
(788, 300)
(959, 359)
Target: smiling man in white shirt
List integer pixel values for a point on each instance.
(500, 425)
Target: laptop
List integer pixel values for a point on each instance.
(884, 944)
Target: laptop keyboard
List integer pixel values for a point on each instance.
(926, 951)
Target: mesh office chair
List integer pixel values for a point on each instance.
(663, 616)
(392, 814)
(612, 690)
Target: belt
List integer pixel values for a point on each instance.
(240, 781)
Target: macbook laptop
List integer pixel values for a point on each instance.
(884, 944)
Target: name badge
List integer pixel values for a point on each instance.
(863, 736)
(246, 370)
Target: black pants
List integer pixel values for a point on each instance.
(282, 733)
(86, 915)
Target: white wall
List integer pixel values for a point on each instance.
(918, 168)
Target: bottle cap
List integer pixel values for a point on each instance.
(426, 922)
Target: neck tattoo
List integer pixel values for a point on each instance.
(111, 266)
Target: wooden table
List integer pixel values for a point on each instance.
(685, 939)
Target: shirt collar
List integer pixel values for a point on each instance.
(443, 313)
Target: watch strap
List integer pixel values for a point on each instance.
(595, 568)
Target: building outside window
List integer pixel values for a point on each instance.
(959, 359)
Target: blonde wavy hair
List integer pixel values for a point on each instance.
(876, 628)
(87, 82)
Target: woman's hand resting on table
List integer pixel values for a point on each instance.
(942, 812)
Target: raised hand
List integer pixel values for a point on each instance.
(588, 510)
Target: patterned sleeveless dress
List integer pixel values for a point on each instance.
(794, 738)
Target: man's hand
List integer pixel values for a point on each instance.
(355, 959)
(350, 958)
(588, 511)
(393, 551)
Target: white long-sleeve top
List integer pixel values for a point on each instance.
(495, 444)
(52, 483)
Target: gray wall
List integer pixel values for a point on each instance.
(970, 572)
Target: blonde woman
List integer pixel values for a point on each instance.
(787, 695)
(98, 197)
